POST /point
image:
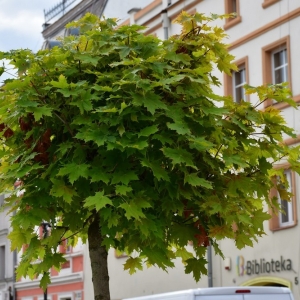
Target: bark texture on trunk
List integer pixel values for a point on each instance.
(98, 256)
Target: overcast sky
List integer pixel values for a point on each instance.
(21, 21)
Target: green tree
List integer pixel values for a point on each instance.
(118, 138)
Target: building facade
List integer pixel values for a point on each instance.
(7, 258)
(264, 38)
(65, 285)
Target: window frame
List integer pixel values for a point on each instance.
(230, 22)
(275, 222)
(267, 64)
(3, 263)
(282, 66)
(229, 81)
(268, 3)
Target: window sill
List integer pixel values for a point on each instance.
(232, 22)
(268, 3)
(284, 227)
(281, 105)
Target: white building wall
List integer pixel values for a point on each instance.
(281, 245)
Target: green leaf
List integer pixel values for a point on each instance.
(194, 180)
(178, 57)
(124, 177)
(74, 171)
(179, 156)
(150, 100)
(158, 170)
(87, 59)
(180, 127)
(134, 208)
(98, 174)
(84, 104)
(94, 135)
(196, 267)
(27, 103)
(98, 201)
(148, 131)
(60, 190)
(18, 239)
(45, 281)
(61, 83)
(132, 264)
(123, 189)
(41, 111)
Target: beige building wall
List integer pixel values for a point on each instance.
(274, 259)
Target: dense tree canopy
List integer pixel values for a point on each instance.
(118, 137)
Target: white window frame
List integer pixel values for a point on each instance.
(42, 297)
(67, 270)
(290, 208)
(284, 66)
(3, 267)
(62, 296)
(235, 86)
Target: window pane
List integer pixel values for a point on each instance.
(285, 213)
(239, 77)
(239, 80)
(239, 94)
(280, 66)
(286, 216)
(279, 75)
(233, 6)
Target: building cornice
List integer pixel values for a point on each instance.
(53, 29)
(256, 33)
(55, 280)
(4, 231)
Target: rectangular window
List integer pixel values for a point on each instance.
(280, 65)
(287, 217)
(2, 262)
(276, 64)
(234, 85)
(232, 7)
(239, 80)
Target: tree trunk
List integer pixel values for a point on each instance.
(98, 256)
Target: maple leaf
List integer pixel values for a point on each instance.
(18, 239)
(196, 267)
(74, 171)
(59, 189)
(99, 200)
(132, 264)
(45, 281)
(194, 180)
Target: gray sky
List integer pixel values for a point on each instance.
(21, 21)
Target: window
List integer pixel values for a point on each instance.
(287, 216)
(234, 85)
(279, 65)
(232, 6)
(2, 262)
(276, 63)
(239, 80)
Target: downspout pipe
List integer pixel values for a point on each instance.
(209, 266)
(165, 23)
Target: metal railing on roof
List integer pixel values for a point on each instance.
(60, 8)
